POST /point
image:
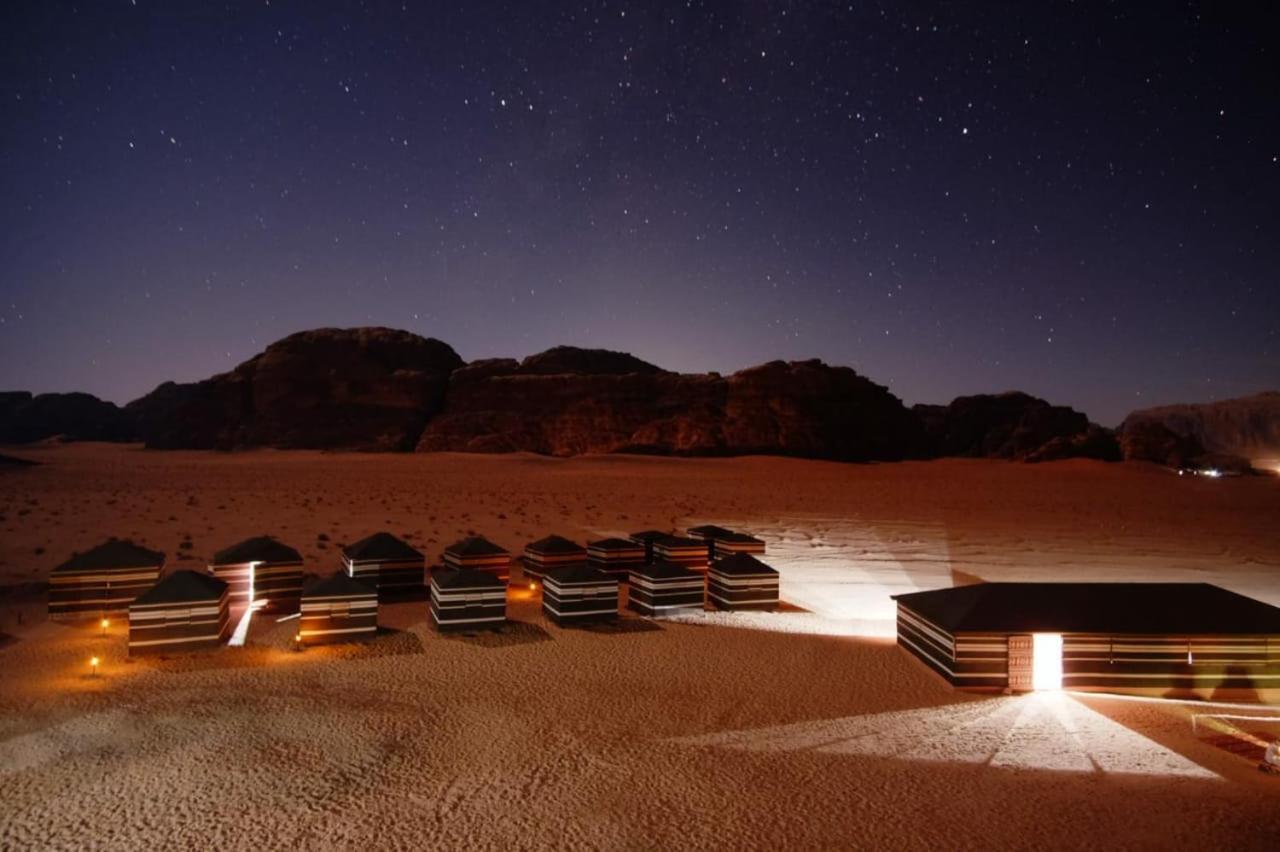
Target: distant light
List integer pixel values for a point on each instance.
(105, 624)
(533, 586)
(93, 664)
(1213, 472)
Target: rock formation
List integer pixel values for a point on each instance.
(1248, 427)
(75, 416)
(803, 408)
(363, 389)
(1013, 425)
(382, 389)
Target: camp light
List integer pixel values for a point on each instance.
(105, 624)
(93, 665)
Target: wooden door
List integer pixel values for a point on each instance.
(1020, 663)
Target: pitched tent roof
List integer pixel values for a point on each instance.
(580, 572)
(182, 587)
(337, 584)
(737, 536)
(1122, 608)
(263, 548)
(709, 530)
(680, 541)
(613, 544)
(555, 544)
(116, 553)
(742, 564)
(381, 546)
(661, 569)
(465, 578)
(476, 545)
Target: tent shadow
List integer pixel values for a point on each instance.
(621, 626)
(512, 633)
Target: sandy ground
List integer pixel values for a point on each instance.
(806, 728)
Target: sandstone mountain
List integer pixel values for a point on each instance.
(389, 390)
(1013, 425)
(1248, 426)
(363, 389)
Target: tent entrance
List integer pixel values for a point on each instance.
(1035, 662)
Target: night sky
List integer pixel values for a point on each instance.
(1080, 201)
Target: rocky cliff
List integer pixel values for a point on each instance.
(1248, 427)
(364, 389)
(800, 408)
(75, 416)
(1013, 425)
(383, 389)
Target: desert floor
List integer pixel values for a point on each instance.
(806, 728)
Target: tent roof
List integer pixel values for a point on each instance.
(382, 546)
(337, 584)
(182, 587)
(649, 535)
(680, 541)
(742, 564)
(115, 553)
(580, 572)
(661, 569)
(615, 544)
(555, 544)
(476, 545)
(466, 578)
(263, 548)
(1125, 608)
(741, 537)
(709, 530)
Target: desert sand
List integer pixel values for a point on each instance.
(806, 728)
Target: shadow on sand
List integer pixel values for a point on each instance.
(621, 626)
(513, 633)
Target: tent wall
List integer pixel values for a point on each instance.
(188, 626)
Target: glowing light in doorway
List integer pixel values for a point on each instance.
(1046, 661)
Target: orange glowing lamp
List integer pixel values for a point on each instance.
(93, 664)
(106, 622)
(533, 586)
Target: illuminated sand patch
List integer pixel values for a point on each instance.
(1048, 731)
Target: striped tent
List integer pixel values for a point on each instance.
(689, 552)
(647, 538)
(709, 533)
(551, 552)
(261, 569)
(615, 555)
(664, 587)
(385, 562)
(740, 581)
(577, 594)
(102, 581)
(338, 608)
(466, 599)
(480, 554)
(185, 611)
(1166, 638)
(736, 542)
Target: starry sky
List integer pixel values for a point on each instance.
(1080, 200)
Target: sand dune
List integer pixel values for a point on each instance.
(805, 728)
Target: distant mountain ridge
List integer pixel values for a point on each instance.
(1247, 426)
(382, 389)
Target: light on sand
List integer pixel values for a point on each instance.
(533, 587)
(1043, 730)
(105, 624)
(1046, 661)
(93, 665)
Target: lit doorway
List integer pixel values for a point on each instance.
(1046, 661)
